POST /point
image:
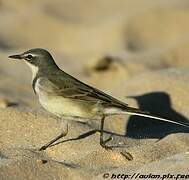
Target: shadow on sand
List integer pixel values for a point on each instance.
(157, 103)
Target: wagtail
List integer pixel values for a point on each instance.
(66, 96)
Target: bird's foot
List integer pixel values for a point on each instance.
(53, 140)
(103, 143)
(43, 148)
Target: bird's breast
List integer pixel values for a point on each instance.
(61, 106)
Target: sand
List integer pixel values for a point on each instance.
(135, 51)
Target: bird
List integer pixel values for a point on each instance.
(65, 96)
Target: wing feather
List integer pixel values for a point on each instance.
(69, 87)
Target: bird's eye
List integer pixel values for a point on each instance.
(29, 56)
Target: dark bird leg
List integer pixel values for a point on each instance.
(64, 133)
(102, 142)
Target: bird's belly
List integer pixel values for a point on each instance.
(68, 107)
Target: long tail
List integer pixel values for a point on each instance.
(138, 112)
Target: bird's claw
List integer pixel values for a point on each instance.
(103, 143)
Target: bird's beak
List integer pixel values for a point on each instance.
(17, 56)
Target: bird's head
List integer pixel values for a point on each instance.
(39, 58)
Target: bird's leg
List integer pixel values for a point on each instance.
(102, 142)
(64, 133)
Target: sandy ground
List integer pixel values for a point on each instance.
(136, 51)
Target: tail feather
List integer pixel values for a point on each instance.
(138, 112)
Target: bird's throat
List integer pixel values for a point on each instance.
(34, 70)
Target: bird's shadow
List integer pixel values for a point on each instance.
(157, 103)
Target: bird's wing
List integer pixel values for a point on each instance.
(69, 87)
